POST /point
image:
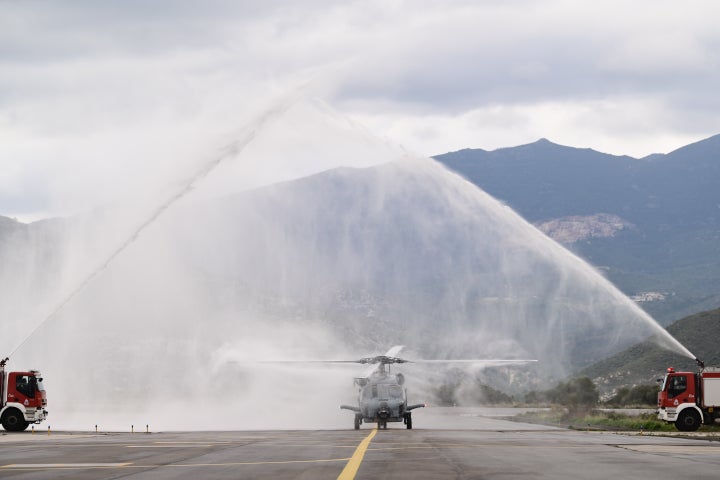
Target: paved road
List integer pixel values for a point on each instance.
(449, 443)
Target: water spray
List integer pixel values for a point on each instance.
(460, 198)
(231, 150)
(562, 253)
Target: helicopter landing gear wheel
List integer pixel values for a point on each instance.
(358, 421)
(408, 421)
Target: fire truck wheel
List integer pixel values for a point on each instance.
(13, 421)
(688, 421)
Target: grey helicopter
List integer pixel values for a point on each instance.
(382, 397)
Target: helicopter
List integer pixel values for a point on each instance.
(381, 396)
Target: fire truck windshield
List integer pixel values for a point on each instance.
(39, 384)
(676, 385)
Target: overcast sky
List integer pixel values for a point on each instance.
(93, 93)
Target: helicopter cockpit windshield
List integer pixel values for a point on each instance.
(383, 392)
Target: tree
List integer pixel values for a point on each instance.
(445, 394)
(577, 394)
(637, 395)
(535, 397)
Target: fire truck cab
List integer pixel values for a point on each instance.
(690, 399)
(22, 399)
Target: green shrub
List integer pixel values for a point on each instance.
(635, 396)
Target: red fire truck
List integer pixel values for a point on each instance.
(22, 399)
(690, 399)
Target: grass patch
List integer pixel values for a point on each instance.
(619, 421)
(599, 420)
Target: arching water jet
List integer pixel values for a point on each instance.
(230, 151)
(404, 252)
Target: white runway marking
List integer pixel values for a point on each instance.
(677, 449)
(65, 465)
(187, 445)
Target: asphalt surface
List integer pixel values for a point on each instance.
(447, 443)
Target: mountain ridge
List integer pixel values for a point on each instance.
(670, 199)
(705, 145)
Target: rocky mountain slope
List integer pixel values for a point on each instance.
(645, 362)
(652, 225)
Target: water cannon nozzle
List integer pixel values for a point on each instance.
(4, 361)
(700, 363)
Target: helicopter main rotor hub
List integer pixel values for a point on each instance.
(382, 359)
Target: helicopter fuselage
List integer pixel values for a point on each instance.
(381, 396)
(382, 399)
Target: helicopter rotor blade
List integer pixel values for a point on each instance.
(375, 362)
(394, 351)
(389, 358)
(290, 362)
(369, 371)
(483, 361)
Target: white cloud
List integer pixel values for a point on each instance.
(110, 89)
(621, 126)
